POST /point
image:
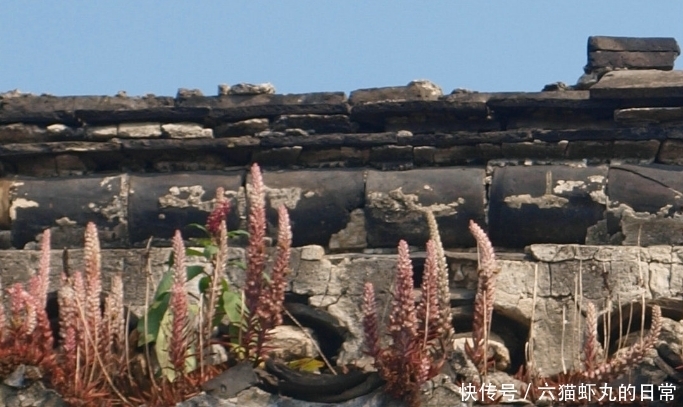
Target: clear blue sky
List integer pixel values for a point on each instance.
(100, 47)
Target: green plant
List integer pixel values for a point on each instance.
(96, 362)
(483, 300)
(415, 331)
(218, 300)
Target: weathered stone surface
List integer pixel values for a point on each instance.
(223, 144)
(315, 124)
(535, 149)
(101, 133)
(185, 131)
(22, 133)
(628, 133)
(353, 236)
(392, 157)
(241, 107)
(185, 93)
(334, 157)
(631, 60)
(654, 189)
(284, 156)
(637, 151)
(161, 203)
(645, 84)
(68, 110)
(517, 101)
(67, 205)
(57, 147)
(36, 166)
(415, 90)
(290, 342)
(671, 152)
(649, 115)
(470, 138)
(117, 109)
(242, 128)
(319, 202)
(252, 89)
(193, 161)
(139, 130)
(653, 44)
(626, 151)
(544, 204)
(649, 231)
(443, 115)
(328, 140)
(394, 204)
(70, 164)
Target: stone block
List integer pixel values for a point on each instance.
(415, 90)
(36, 166)
(455, 155)
(57, 147)
(392, 156)
(101, 132)
(241, 128)
(233, 108)
(353, 236)
(534, 149)
(646, 115)
(315, 124)
(640, 84)
(395, 201)
(424, 155)
(671, 152)
(545, 204)
(252, 89)
(650, 231)
(139, 130)
(653, 189)
(70, 164)
(22, 133)
(319, 201)
(631, 60)
(66, 205)
(185, 131)
(334, 157)
(639, 151)
(160, 204)
(283, 156)
(652, 44)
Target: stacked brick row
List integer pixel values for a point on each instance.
(356, 209)
(599, 165)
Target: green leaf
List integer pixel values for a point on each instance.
(194, 271)
(162, 346)
(232, 305)
(210, 251)
(239, 263)
(198, 226)
(193, 252)
(154, 317)
(235, 233)
(310, 365)
(204, 284)
(203, 241)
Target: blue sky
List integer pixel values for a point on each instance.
(100, 47)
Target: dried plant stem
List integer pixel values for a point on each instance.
(564, 330)
(313, 342)
(530, 343)
(98, 359)
(148, 272)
